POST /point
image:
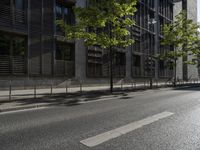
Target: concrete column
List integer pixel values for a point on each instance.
(179, 65)
(156, 45)
(80, 60)
(129, 62)
(192, 70)
(80, 52)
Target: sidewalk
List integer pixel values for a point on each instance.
(39, 93)
(25, 99)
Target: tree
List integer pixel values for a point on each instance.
(183, 35)
(105, 24)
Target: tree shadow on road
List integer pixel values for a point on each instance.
(188, 87)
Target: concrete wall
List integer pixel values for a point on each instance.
(80, 53)
(192, 14)
(179, 68)
(129, 63)
(192, 71)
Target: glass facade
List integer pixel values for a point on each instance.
(98, 60)
(65, 12)
(65, 59)
(64, 52)
(13, 54)
(49, 55)
(98, 63)
(19, 4)
(13, 11)
(150, 17)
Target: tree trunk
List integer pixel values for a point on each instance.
(111, 69)
(175, 73)
(111, 61)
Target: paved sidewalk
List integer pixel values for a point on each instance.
(24, 99)
(38, 92)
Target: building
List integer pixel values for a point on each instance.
(184, 71)
(31, 46)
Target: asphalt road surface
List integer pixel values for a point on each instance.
(151, 120)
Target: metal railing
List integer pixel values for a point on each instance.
(34, 88)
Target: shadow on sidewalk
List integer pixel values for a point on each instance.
(74, 99)
(70, 99)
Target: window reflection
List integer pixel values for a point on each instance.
(4, 44)
(65, 51)
(19, 46)
(19, 4)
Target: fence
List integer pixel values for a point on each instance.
(16, 89)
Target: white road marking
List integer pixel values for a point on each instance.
(101, 138)
(23, 110)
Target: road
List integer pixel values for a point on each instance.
(151, 120)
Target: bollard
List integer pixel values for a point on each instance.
(24, 85)
(51, 87)
(135, 85)
(132, 84)
(35, 91)
(151, 84)
(121, 85)
(66, 88)
(81, 88)
(10, 90)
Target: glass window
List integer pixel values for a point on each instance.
(136, 60)
(65, 12)
(162, 65)
(58, 11)
(69, 15)
(19, 4)
(4, 44)
(12, 51)
(65, 51)
(120, 58)
(5, 2)
(19, 46)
